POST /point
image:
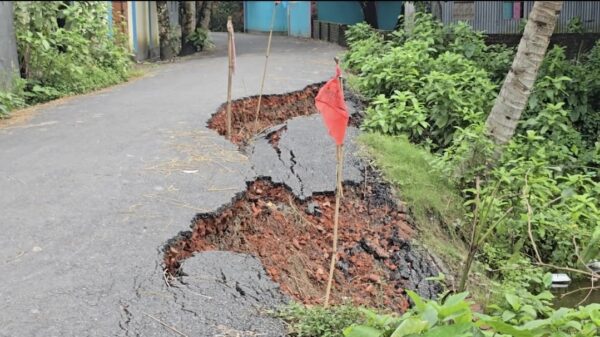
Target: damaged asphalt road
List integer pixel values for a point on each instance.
(92, 187)
(304, 157)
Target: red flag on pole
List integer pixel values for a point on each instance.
(330, 102)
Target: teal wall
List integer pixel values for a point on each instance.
(349, 12)
(299, 15)
(291, 17)
(257, 16)
(346, 12)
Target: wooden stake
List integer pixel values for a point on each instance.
(339, 153)
(229, 82)
(339, 156)
(262, 83)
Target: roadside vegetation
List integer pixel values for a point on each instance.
(516, 213)
(64, 49)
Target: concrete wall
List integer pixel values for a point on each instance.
(9, 63)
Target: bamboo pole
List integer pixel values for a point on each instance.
(336, 218)
(229, 77)
(262, 82)
(339, 156)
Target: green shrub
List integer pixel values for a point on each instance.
(200, 39)
(67, 48)
(522, 314)
(437, 84)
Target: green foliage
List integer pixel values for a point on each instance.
(575, 25)
(520, 315)
(432, 200)
(221, 10)
(428, 79)
(318, 321)
(66, 48)
(401, 113)
(437, 84)
(13, 99)
(200, 39)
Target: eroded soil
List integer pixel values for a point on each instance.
(275, 109)
(292, 238)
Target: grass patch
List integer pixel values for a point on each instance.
(433, 202)
(427, 193)
(318, 321)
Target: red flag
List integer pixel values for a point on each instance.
(330, 102)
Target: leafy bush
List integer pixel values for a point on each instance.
(67, 48)
(437, 84)
(522, 314)
(200, 39)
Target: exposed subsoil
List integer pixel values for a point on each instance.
(275, 109)
(292, 238)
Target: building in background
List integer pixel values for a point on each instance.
(505, 17)
(333, 17)
(139, 21)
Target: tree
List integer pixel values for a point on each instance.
(9, 62)
(199, 10)
(206, 12)
(513, 96)
(370, 13)
(188, 25)
(165, 34)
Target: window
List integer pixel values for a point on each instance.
(512, 10)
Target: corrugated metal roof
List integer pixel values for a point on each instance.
(488, 16)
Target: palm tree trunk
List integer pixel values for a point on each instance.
(512, 99)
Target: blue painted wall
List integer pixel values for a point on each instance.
(349, 12)
(257, 16)
(346, 12)
(388, 13)
(299, 18)
(291, 17)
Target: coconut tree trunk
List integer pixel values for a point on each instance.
(188, 25)
(206, 13)
(164, 31)
(409, 16)
(513, 96)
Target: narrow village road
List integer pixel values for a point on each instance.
(92, 187)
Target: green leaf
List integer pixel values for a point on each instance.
(419, 303)
(507, 315)
(361, 331)
(532, 325)
(412, 325)
(455, 330)
(513, 300)
(430, 314)
(529, 310)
